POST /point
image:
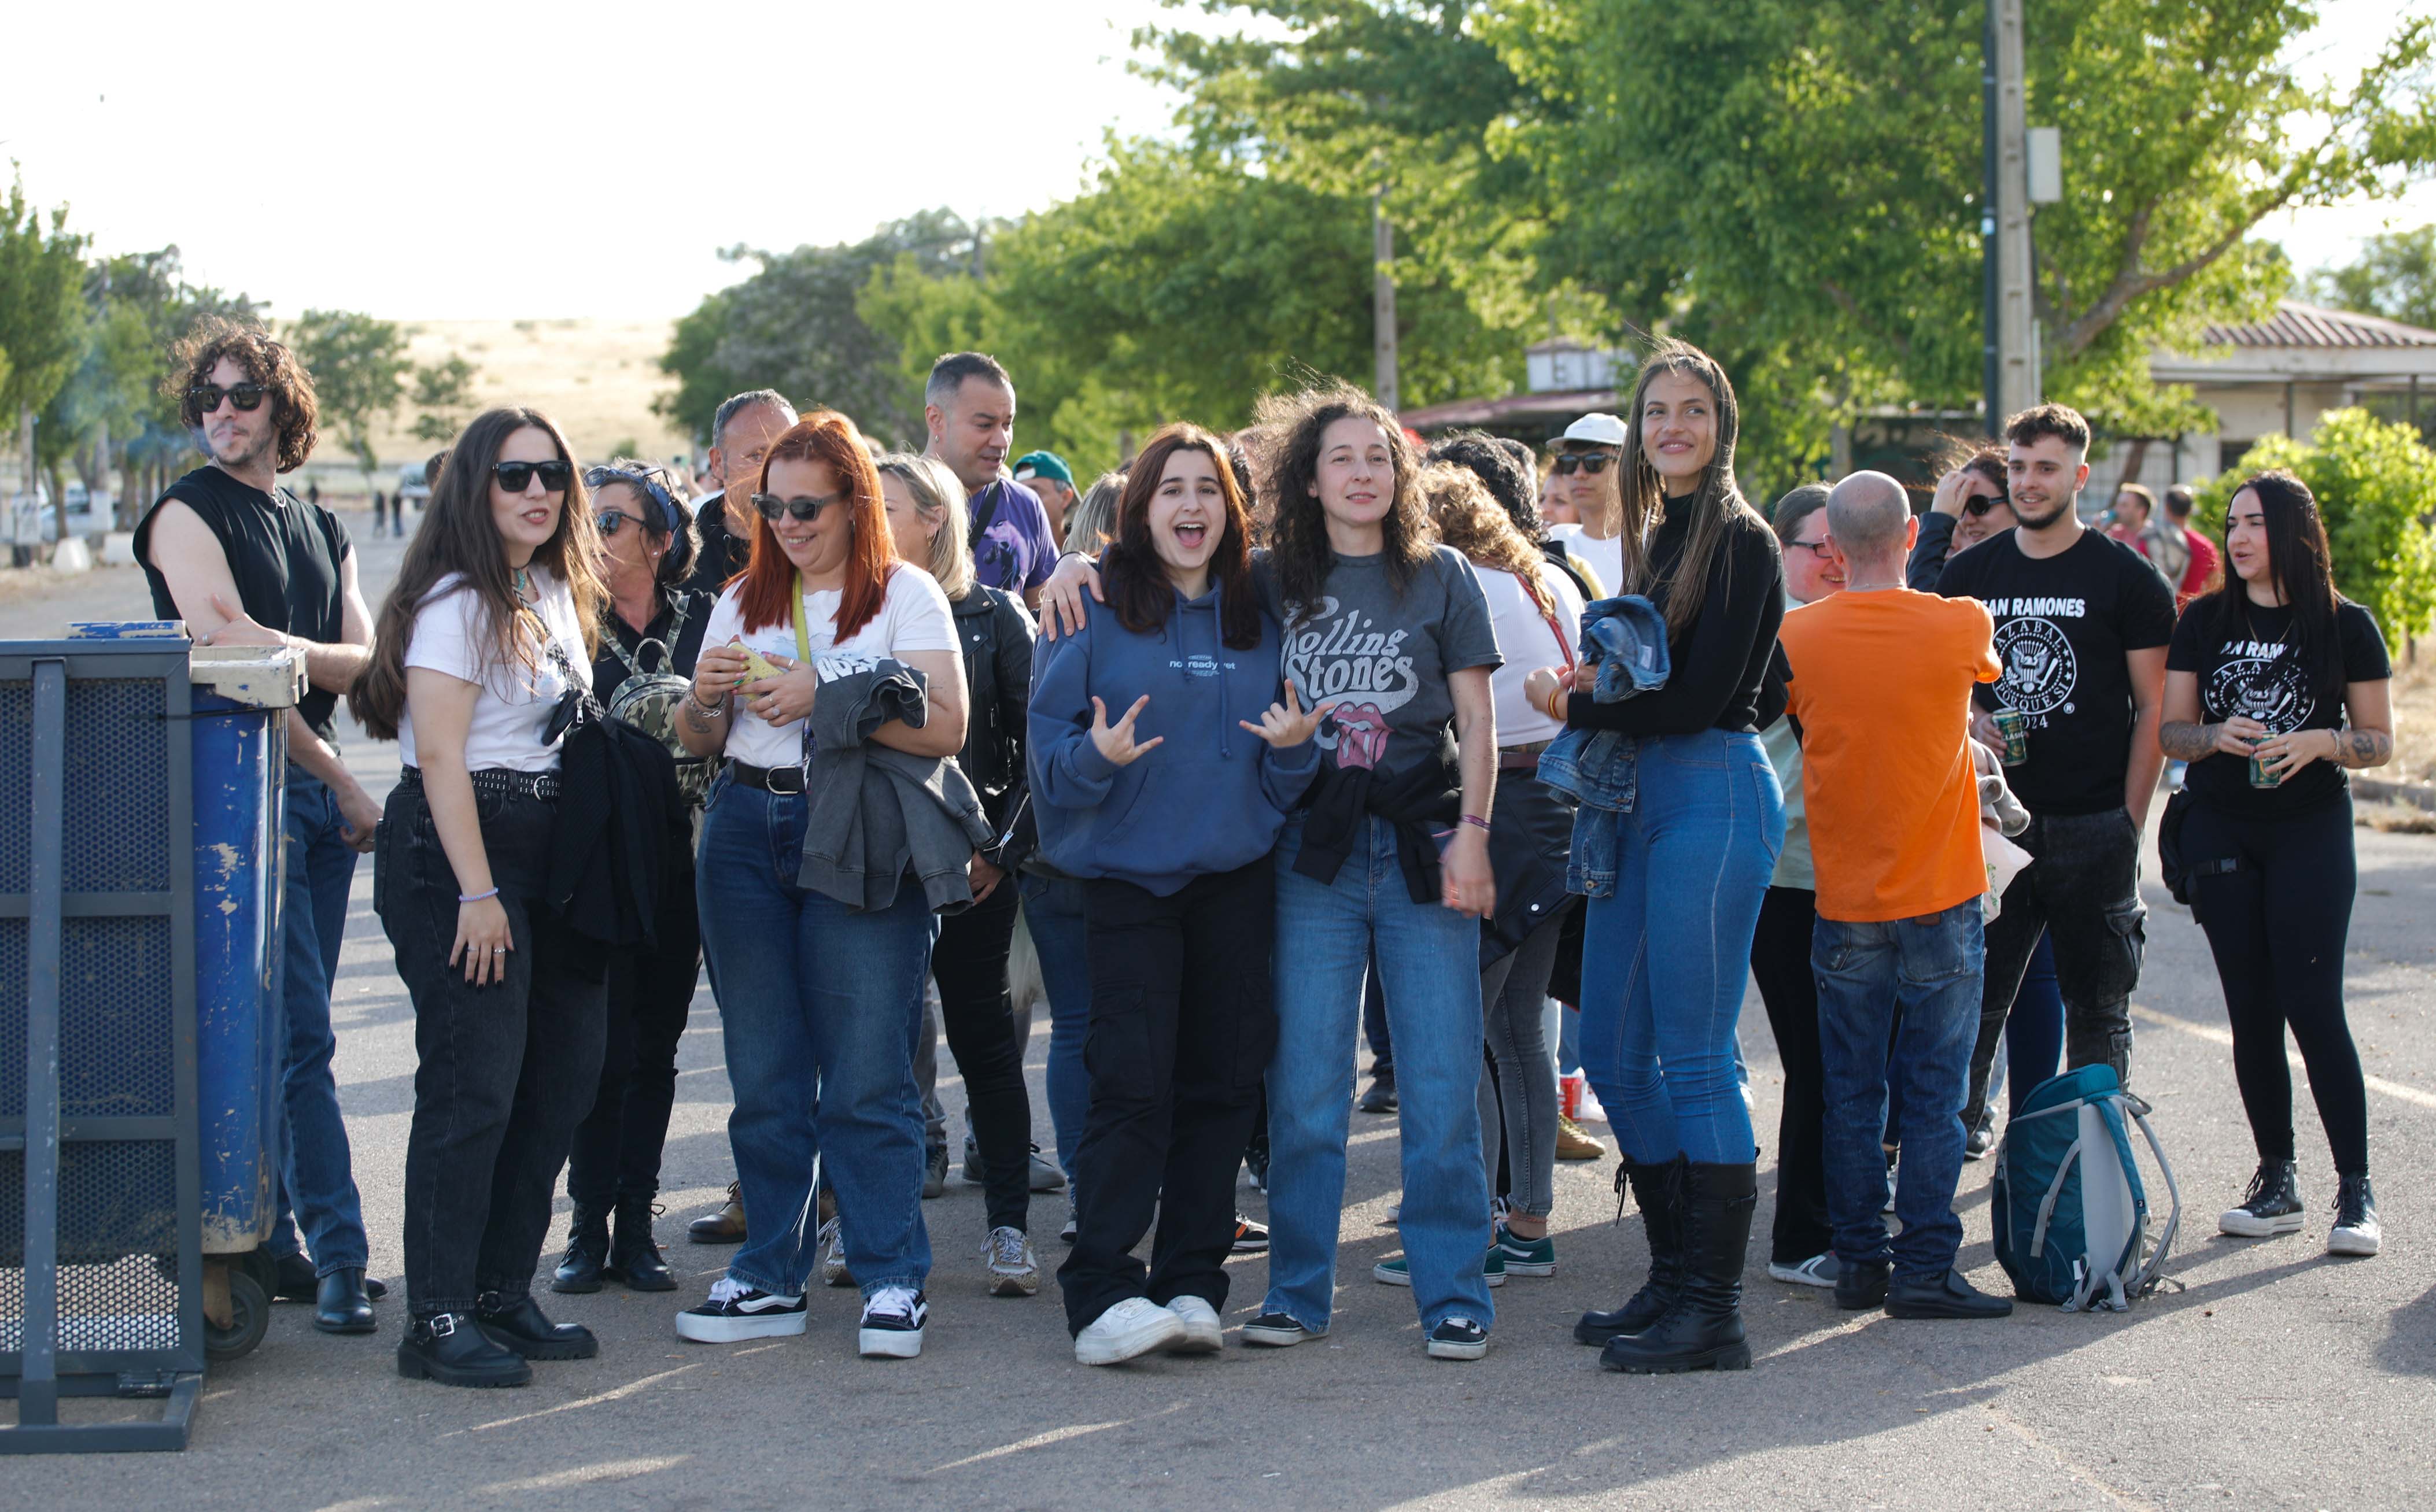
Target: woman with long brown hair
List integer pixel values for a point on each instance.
(481, 646)
(1676, 878)
(1165, 759)
(821, 997)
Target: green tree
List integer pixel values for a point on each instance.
(41, 312)
(2393, 276)
(794, 326)
(443, 399)
(360, 372)
(2376, 485)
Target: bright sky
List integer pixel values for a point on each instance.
(540, 158)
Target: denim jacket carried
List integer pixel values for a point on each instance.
(1626, 639)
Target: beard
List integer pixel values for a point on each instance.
(248, 453)
(2029, 521)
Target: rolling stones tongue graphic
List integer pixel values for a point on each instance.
(1362, 732)
(1336, 652)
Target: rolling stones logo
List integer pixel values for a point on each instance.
(2039, 668)
(2270, 690)
(1334, 652)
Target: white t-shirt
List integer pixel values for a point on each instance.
(913, 617)
(1604, 558)
(452, 635)
(1527, 644)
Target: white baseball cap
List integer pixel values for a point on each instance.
(1595, 430)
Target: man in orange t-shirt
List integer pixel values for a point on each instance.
(1881, 690)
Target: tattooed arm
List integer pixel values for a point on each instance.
(2184, 739)
(2369, 742)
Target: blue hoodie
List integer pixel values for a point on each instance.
(1210, 799)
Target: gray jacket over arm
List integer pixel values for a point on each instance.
(879, 813)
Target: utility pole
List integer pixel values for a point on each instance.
(1382, 300)
(2016, 361)
(1989, 379)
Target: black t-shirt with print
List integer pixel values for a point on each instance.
(2064, 624)
(2248, 666)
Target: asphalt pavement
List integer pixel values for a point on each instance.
(2264, 1373)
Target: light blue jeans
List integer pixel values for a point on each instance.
(1428, 958)
(1053, 910)
(318, 1181)
(1666, 955)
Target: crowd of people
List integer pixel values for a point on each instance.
(1314, 725)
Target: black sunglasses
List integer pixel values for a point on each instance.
(206, 397)
(1976, 507)
(611, 521)
(1594, 464)
(517, 477)
(772, 508)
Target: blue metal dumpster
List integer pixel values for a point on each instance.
(116, 771)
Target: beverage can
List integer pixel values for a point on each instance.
(2014, 727)
(2260, 776)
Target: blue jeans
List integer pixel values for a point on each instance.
(317, 1182)
(821, 1006)
(1427, 956)
(1918, 980)
(1666, 955)
(1053, 910)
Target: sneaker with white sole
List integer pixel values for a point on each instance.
(1251, 1238)
(1073, 1220)
(1459, 1338)
(1278, 1330)
(1131, 1329)
(2271, 1207)
(736, 1313)
(2356, 1230)
(1399, 1272)
(1818, 1270)
(1524, 1257)
(1014, 1269)
(1203, 1333)
(833, 1271)
(893, 1318)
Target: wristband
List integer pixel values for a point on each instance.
(477, 898)
(1478, 822)
(711, 710)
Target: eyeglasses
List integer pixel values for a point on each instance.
(611, 521)
(517, 477)
(206, 397)
(1820, 550)
(1977, 507)
(1593, 463)
(773, 508)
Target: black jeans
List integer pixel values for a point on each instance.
(2277, 924)
(617, 1152)
(1780, 963)
(2083, 888)
(970, 965)
(1182, 1025)
(503, 1072)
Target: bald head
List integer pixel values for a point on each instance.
(1869, 517)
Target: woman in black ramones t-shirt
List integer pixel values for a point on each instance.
(2275, 684)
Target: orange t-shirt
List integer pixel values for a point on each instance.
(1882, 690)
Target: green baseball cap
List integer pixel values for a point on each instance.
(1033, 464)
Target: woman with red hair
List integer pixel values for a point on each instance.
(822, 999)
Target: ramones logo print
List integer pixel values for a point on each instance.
(2268, 690)
(2039, 668)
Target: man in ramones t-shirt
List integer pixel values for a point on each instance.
(2081, 627)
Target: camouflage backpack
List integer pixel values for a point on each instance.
(648, 701)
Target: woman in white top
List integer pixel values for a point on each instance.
(1537, 613)
(487, 635)
(822, 1002)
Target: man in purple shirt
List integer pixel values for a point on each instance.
(970, 404)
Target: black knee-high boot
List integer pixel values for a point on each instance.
(1704, 1328)
(1659, 1189)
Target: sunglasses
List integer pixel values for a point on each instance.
(611, 521)
(1977, 507)
(773, 508)
(206, 397)
(1595, 463)
(517, 477)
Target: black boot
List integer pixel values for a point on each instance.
(520, 1327)
(1704, 1330)
(587, 1251)
(448, 1348)
(340, 1305)
(633, 1256)
(1660, 1189)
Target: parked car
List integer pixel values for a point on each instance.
(411, 486)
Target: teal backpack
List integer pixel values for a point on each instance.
(2070, 1211)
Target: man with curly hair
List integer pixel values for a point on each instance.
(245, 561)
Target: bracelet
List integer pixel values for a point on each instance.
(477, 898)
(1476, 822)
(709, 710)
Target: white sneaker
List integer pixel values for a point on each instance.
(1134, 1327)
(736, 1311)
(833, 1271)
(1203, 1333)
(1818, 1270)
(1014, 1269)
(892, 1323)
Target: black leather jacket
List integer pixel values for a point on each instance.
(995, 633)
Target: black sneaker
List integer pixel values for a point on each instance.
(2273, 1205)
(892, 1323)
(1459, 1338)
(1983, 1137)
(974, 1174)
(1861, 1284)
(1947, 1297)
(1276, 1331)
(1256, 1164)
(1250, 1238)
(736, 1311)
(1379, 1097)
(934, 1171)
(2356, 1230)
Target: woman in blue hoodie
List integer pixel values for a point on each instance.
(1168, 812)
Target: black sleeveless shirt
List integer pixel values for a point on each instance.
(283, 554)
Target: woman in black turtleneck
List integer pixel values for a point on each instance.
(1667, 949)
